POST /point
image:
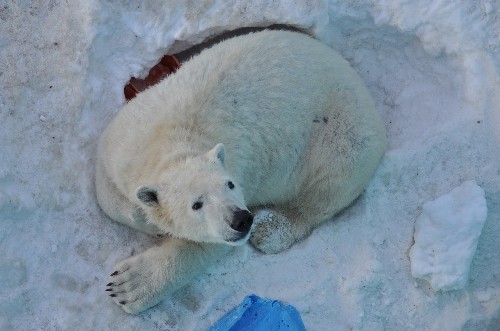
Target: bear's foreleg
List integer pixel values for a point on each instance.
(274, 231)
(143, 280)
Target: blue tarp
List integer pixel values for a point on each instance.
(258, 314)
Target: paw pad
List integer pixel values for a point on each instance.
(272, 233)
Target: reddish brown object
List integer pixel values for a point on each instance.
(168, 65)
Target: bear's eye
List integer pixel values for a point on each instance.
(230, 185)
(197, 205)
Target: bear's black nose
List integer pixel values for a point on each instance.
(242, 220)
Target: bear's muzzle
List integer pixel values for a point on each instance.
(242, 221)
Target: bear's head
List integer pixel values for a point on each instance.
(197, 199)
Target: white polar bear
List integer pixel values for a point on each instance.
(273, 122)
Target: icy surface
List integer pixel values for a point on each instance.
(446, 235)
(433, 68)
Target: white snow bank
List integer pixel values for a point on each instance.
(446, 236)
(433, 69)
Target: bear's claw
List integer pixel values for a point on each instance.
(140, 281)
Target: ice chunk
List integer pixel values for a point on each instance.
(446, 235)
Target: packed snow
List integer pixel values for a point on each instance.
(433, 69)
(446, 235)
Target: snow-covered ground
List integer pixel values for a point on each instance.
(433, 68)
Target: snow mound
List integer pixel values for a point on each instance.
(446, 236)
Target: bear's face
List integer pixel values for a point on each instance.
(198, 200)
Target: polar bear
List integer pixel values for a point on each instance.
(261, 137)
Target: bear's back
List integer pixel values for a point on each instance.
(260, 94)
(236, 82)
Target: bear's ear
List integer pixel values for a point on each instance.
(217, 153)
(148, 195)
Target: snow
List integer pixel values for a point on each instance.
(433, 68)
(446, 235)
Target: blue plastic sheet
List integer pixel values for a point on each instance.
(258, 314)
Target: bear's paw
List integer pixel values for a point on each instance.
(140, 281)
(272, 232)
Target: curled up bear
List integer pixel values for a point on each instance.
(259, 138)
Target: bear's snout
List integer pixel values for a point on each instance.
(242, 221)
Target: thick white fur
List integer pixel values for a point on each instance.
(301, 140)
